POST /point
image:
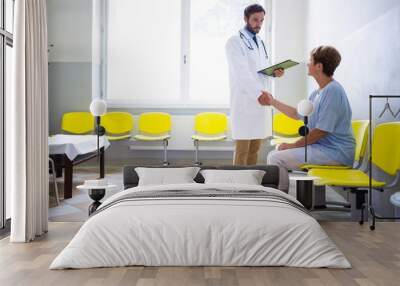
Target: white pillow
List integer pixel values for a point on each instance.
(166, 176)
(248, 177)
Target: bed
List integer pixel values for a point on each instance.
(198, 224)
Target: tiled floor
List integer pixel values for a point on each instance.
(76, 208)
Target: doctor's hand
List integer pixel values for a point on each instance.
(265, 98)
(279, 72)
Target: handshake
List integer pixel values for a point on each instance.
(265, 98)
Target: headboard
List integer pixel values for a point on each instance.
(270, 179)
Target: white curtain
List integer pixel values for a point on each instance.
(29, 121)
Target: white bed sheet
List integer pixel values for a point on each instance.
(206, 231)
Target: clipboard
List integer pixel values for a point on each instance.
(283, 65)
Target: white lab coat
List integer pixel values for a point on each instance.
(248, 117)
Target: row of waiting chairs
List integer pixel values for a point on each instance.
(152, 126)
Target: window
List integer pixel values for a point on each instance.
(212, 23)
(144, 46)
(6, 41)
(169, 53)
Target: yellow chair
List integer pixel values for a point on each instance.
(118, 125)
(360, 132)
(77, 122)
(285, 129)
(209, 126)
(385, 156)
(155, 126)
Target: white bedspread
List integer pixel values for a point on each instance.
(200, 231)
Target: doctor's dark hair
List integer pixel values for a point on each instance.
(254, 8)
(328, 56)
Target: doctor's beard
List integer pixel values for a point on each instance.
(254, 30)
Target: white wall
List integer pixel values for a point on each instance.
(288, 42)
(366, 32)
(69, 30)
(332, 21)
(98, 47)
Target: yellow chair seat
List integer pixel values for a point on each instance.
(119, 137)
(279, 140)
(332, 167)
(143, 137)
(208, 138)
(343, 178)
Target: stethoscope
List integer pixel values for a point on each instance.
(249, 45)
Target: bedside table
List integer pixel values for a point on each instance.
(305, 192)
(96, 193)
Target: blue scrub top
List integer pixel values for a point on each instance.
(332, 113)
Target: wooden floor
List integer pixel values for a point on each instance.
(375, 257)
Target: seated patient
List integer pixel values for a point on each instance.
(330, 141)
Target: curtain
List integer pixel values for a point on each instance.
(29, 121)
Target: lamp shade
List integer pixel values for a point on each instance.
(98, 107)
(305, 107)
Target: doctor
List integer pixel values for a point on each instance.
(247, 54)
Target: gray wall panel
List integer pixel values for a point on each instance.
(70, 89)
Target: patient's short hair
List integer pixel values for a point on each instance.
(254, 8)
(328, 56)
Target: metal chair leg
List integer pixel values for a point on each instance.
(360, 201)
(377, 216)
(372, 226)
(196, 159)
(53, 171)
(165, 144)
(361, 222)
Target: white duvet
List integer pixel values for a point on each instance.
(200, 231)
